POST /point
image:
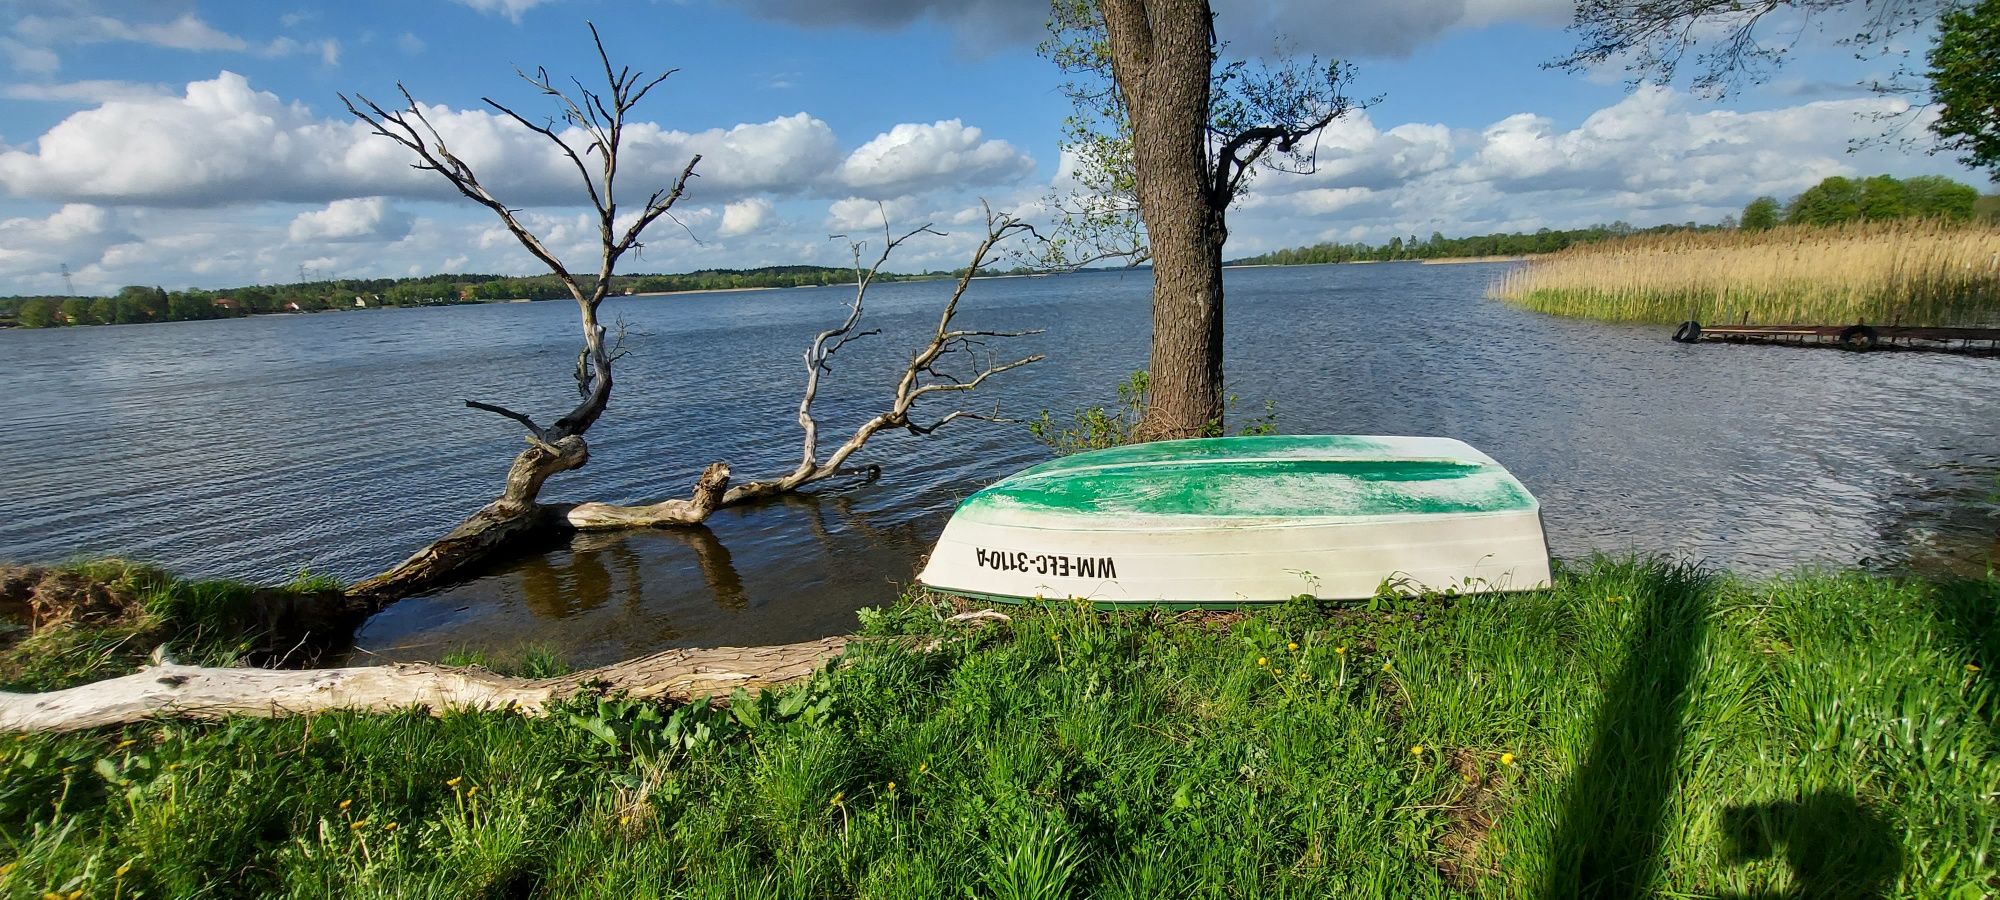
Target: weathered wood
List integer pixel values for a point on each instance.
(702, 501)
(512, 518)
(213, 693)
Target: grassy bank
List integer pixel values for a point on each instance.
(72, 623)
(1909, 273)
(1642, 729)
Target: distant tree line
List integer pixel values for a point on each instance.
(1437, 246)
(1831, 202)
(136, 304)
(1838, 199)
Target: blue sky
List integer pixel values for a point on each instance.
(183, 142)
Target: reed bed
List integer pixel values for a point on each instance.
(1888, 273)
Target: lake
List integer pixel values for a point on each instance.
(338, 442)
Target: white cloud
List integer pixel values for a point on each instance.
(364, 219)
(863, 216)
(26, 57)
(747, 217)
(410, 43)
(512, 9)
(913, 157)
(32, 249)
(223, 142)
(185, 32)
(783, 155)
(86, 92)
(35, 38)
(327, 49)
(1651, 157)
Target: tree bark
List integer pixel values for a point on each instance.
(508, 520)
(214, 693)
(1160, 59)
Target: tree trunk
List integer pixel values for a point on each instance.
(514, 517)
(1160, 53)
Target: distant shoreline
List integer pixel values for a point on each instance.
(1457, 260)
(734, 290)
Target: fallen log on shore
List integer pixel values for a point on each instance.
(198, 692)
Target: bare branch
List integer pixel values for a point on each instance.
(540, 433)
(921, 377)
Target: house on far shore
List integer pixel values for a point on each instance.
(292, 306)
(228, 304)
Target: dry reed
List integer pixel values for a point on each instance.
(1892, 273)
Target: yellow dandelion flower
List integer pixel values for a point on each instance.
(73, 895)
(892, 787)
(453, 782)
(624, 820)
(1340, 651)
(1506, 759)
(1261, 661)
(1294, 645)
(1056, 637)
(837, 797)
(389, 827)
(1971, 667)
(357, 824)
(923, 767)
(472, 790)
(51, 895)
(1388, 667)
(1304, 676)
(122, 870)
(1417, 750)
(126, 743)
(344, 804)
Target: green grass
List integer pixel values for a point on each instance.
(1644, 729)
(141, 609)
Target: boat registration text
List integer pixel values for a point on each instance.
(1057, 564)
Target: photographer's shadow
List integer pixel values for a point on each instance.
(1835, 847)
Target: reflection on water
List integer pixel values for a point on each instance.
(608, 596)
(257, 447)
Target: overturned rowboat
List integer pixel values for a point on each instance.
(1230, 521)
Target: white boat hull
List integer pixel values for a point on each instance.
(1220, 560)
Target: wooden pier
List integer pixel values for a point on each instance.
(1858, 337)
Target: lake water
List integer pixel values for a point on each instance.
(337, 442)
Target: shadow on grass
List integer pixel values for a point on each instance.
(1968, 614)
(1835, 846)
(1608, 842)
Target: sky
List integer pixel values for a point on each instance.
(198, 143)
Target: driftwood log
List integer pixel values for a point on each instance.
(197, 692)
(682, 675)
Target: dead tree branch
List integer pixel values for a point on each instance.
(929, 372)
(592, 126)
(923, 375)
